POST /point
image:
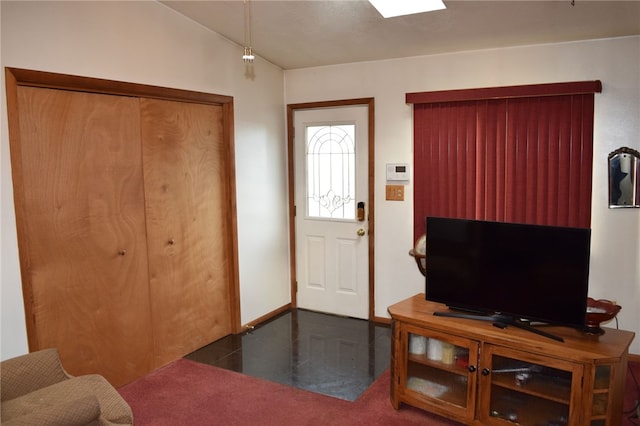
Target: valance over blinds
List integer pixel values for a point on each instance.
(514, 154)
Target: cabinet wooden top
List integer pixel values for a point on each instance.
(577, 345)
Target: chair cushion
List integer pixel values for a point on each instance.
(113, 408)
(80, 412)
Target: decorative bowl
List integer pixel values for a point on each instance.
(419, 253)
(599, 311)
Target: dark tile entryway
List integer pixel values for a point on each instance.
(322, 353)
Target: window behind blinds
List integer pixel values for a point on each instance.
(515, 154)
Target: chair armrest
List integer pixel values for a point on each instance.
(27, 373)
(82, 411)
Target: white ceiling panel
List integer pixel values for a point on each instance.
(298, 34)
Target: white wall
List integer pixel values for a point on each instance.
(615, 254)
(145, 42)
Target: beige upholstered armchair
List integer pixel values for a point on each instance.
(36, 390)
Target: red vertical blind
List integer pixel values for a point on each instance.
(512, 154)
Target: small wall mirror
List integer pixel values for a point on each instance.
(624, 178)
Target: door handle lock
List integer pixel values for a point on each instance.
(361, 232)
(360, 211)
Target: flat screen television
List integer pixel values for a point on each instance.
(508, 273)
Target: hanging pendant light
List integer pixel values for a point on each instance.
(247, 54)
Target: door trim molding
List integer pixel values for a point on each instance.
(16, 77)
(291, 109)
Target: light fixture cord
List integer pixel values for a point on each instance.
(247, 23)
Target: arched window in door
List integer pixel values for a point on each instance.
(331, 171)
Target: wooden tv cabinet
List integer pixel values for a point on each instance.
(478, 374)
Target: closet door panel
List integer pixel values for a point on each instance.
(84, 245)
(187, 206)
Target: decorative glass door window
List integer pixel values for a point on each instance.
(330, 159)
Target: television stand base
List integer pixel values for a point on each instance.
(500, 321)
(501, 372)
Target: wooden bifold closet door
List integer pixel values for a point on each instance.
(185, 210)
(126, 227)
(85, 226)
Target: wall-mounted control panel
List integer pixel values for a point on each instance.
(397, 172)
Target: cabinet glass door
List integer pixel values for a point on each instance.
(442, 369)
(525, 390)
(600, 402)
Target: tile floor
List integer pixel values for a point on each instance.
(322, 353)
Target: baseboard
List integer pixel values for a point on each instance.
(382, 320)
(634, 358)
(251, 325)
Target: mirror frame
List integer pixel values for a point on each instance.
(624, 178)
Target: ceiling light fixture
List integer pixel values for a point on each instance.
(392, 8)
(247, 54)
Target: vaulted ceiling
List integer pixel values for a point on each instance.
(298, 34)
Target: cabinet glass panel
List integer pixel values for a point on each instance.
(603, 377)
(438, 369)
(529, 394)
(600, 403)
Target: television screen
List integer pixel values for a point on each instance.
(528, 272)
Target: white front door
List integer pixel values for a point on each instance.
(331, 191)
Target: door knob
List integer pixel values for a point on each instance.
(361, 232)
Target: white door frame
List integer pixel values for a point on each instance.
(291, 109)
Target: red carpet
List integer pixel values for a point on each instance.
(190, 393)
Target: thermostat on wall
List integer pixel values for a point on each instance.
(397, 171)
